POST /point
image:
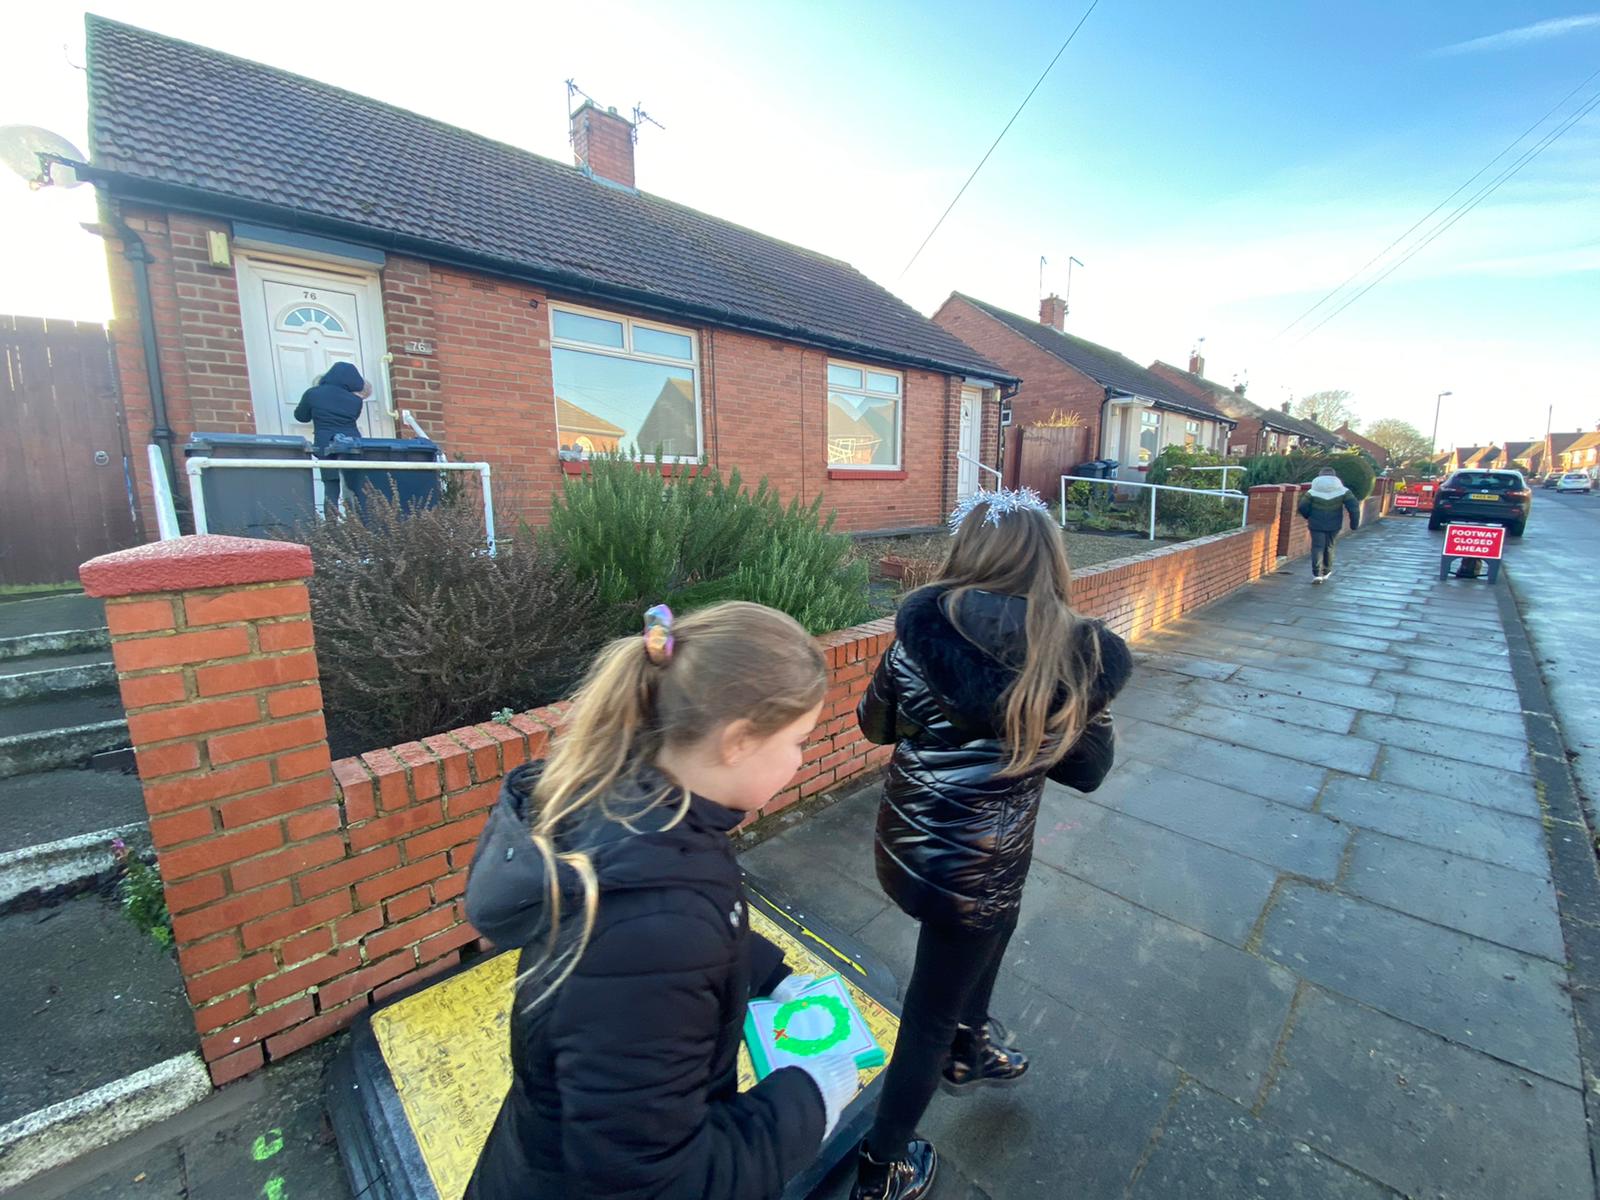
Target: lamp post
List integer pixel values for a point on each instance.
(1433, 445)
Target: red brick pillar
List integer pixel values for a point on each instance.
(213, 647)
(1266, 510)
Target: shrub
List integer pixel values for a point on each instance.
(421, 629)
(1355, 471)
(641, 538)
(1302, 467)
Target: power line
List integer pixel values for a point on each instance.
(1003, 132)
(1425, 216)
(1462, 210)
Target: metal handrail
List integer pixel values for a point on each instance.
(981, 466)
(198, 465)
(1244, 513)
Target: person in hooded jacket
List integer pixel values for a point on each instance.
(1325, 507)
(993, 685)
(611, 868)
(333, 405)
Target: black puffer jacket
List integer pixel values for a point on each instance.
(624, 1083)
(955, 837)
(332, 406)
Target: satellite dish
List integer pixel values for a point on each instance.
(39, 156)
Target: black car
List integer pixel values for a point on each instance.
(1494, 497)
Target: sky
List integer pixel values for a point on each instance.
(1216, 172)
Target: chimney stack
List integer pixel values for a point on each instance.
(602, 144)
(1053, 312)
(1197, 364)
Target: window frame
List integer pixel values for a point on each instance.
(899, 414)
(627, 352)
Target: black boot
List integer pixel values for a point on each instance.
(981, 1058)
(908, 1177)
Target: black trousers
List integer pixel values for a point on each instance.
(1322, 552)
(951, 985)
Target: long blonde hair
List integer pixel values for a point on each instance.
(1047, 705)
(733, 661)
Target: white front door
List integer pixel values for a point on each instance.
(299, 321)
(968, 479)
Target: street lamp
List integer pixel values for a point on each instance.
(1433, 445)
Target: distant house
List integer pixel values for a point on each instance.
(261, 226)
(1582, 454)
(1257, 430)
(1524, 456)
(1463, 456)
(1556, 447)
(1131, 413)
(1352, 438)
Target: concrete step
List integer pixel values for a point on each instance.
(56, 830)
(46, 749)
(24, 680)
(99, 1037)
(41, 614)
(53, 641)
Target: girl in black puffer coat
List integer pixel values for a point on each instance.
(610, 867)
(992, 686)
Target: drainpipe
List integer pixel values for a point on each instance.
(135, 251)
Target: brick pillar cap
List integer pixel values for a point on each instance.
(204, 560)
(1264, 488)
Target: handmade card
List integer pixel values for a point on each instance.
(821, 1020)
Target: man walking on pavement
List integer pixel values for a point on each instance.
(1324, 508)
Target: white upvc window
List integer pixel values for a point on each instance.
(1149, 436)
(865, 407)
(623, 384)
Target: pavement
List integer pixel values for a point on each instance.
(1304, 941)
(1321, 934)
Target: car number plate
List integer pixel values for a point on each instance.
(1483, 496)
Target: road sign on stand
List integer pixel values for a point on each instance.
(1407, 500)
(1473, 543)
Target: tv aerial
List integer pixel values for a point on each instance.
(43, 158)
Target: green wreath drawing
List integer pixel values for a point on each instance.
(806, 1047)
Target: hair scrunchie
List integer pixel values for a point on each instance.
(658, 639)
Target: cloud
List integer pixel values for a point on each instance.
(1539, 31)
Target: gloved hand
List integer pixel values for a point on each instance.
(836, 1078)
(791, 987)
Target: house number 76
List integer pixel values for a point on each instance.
(309, 295)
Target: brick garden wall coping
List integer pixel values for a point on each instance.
(204, 560)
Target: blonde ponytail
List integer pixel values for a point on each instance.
(734, 661)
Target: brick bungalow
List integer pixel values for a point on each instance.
(1351, 438)
(1555, 447)
(1131, 413)
(1258, 430)
(1582, 453)
(261, 226)
(1525, 457)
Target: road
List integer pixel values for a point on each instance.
(1552, 572)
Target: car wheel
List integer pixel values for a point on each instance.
(1516, 530)
(1433, 522)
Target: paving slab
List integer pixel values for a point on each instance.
(1312, 714)
(1502, 720)
(1183, 711)
(1486, 673)
(1279, 659)
(85, 998)
(1084, 1113)
(1484, 693)
(1467, 746)
(1510, 791)
(1181, 664)
(1213, 1010)
(1188, 881)
(1513, 908)
(1212, 1149)
(1504, 1003)
(1458, 826)
(1238, 767)
(1427, 1117)
(1366, 697)
(1284, 837)
(824, 862)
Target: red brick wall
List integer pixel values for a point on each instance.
(1048, 384)
(486, 391)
